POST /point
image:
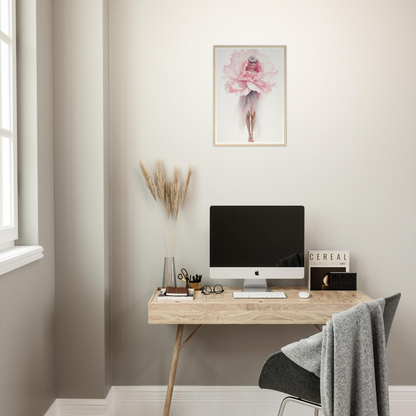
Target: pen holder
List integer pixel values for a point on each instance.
(195, 286)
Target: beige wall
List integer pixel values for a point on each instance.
(82, 198)
(349, 160)
(27, 295)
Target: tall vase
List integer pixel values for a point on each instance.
(169, 272)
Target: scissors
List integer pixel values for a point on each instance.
(183, 275)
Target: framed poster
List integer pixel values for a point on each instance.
(249, 95)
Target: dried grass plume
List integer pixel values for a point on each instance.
(175, 193)
(167, 197)
(148, 179)
(160, 180)
(186, 183)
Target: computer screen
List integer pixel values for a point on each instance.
(257, 242)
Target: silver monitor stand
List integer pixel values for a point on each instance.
(255, 285)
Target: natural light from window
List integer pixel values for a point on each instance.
(12, 255)
(8, 229)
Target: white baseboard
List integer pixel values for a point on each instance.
(197, 400)
(205, 401)
(402, 400)
(83, 407)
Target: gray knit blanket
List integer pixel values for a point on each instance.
(349, 356)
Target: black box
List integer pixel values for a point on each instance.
(342, 281)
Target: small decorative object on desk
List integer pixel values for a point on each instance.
(217, 289)
(342, 281)
(191, 281)
(170, 198)
(323, 262)
(184, 275)
(195, 282)
(169, 294)
(176, 291)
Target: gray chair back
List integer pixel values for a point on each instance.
(281, 374)
(389, 311)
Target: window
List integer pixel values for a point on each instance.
(8, 145)
(11, 256)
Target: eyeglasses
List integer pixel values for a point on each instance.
(207, 290)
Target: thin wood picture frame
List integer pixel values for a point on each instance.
(249, 100)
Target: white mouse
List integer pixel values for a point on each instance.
(304, 295)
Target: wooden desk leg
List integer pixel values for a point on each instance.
(173, 368)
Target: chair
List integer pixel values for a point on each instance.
(281, 374)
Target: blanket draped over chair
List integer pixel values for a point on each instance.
(349, 356)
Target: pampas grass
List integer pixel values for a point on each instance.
(148, 179)
(186, 184)
(160, 180)
(168, 209)
(174, 193)
(166, 195)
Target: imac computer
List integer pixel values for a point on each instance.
(256, 242)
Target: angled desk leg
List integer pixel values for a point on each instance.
(173, 368)
(319, 327)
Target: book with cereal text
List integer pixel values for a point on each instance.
(322, 262)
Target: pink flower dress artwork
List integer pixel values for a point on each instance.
(249, 84)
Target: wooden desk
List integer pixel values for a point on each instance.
(223, 309)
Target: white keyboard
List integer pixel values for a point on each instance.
(259, 295)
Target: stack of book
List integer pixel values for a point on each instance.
(176, 293)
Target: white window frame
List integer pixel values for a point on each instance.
(11, 256)
(9, 233)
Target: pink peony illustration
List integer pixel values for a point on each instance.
(250, 77)
(240, 81)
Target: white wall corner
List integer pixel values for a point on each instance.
(53, 410)
(81, 407)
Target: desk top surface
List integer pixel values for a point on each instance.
(218, 309)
